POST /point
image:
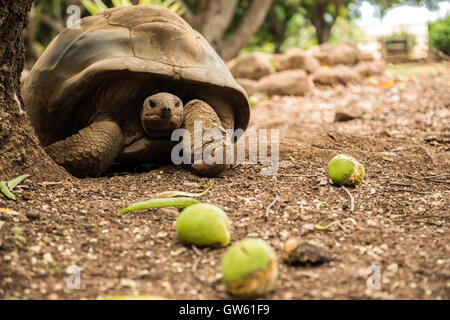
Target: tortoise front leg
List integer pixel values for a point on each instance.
(90, 151)
(197, 110)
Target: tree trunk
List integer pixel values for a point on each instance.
(212, 19)
(216, 19)
(323, 28)
(251, 23)
(20, 151)
(278, 30)
(323, 32)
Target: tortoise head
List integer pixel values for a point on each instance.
(161, 113)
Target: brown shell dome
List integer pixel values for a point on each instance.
(146, 41)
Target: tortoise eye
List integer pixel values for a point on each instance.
(177, 104)
(152, 104)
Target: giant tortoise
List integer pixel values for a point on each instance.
(115, 89)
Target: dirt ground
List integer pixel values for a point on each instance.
(400, 222)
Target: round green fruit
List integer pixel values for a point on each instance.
(249, 268)
(346, 170)
(204, 224)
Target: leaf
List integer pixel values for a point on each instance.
(172, 194)
(9, 211)
(101, 5)
(160, 203)
(6, 191)
(14, 182)
(319, 227)
(91, 6)
(387, 84)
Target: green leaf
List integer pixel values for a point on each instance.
(14, 182)
(6, 191)
(161, 203)
(319, 227)
(101, 5)
(91, 7)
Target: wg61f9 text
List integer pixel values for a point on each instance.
(260, 309)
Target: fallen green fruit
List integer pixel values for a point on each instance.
(204, 224)
(346, 170)
(249, 268)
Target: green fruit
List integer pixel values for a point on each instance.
(204, 224)
(344, 169)
(249, 268)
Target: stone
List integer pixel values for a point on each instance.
(297, 59)
(290, 82)
(252, 66)
(336, 75)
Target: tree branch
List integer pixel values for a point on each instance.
(52, 23)
(250, 24)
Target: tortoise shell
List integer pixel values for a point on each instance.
(145, 41)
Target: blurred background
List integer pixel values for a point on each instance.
(393, 30)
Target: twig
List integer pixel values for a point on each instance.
(318, 146)
(200, 279)
(340, 225)
(429, 178)
(295, 175)
(428, 153)
(399, 184)
(50, 183)
(438, 181)
(439, 175)
(194, 270)
(413, 177)
(197, 252)
(266, 216)
(352, 200)
(408, 190)
(52, 23)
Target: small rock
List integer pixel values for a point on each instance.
(334, 54)
(296, 59)
(336, 75)
(284, 234)
(304, 253)
(342, 116)
(290, 82)
(252, 66)
(33, 215)
(48, 258)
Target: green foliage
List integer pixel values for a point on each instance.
(345, 30)
(300, 23)
(300, 34)
(439, 34)
(96, 6)
(384, 5)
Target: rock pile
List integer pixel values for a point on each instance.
(297, 71)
